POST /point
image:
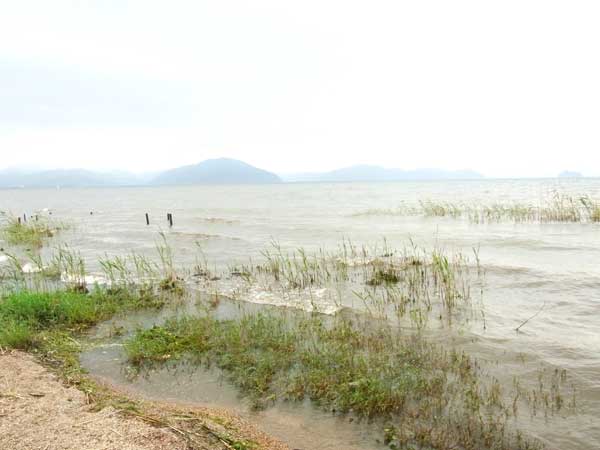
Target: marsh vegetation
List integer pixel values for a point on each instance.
(428, 396)
(376, 364)
(557, 208)
(33, 232)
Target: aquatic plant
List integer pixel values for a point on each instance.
(430, 397)
(408, 283)
(592, 207)
(558, 207)
(442, 209)
(29, 233)
(171, 282)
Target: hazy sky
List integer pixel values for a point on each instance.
(509, 88)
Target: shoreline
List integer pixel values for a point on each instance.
(39, 409)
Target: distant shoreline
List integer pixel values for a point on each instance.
(315, 182)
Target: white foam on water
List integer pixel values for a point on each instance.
(317, 300)
(86, 279)
(30, 268)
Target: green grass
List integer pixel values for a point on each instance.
(25, 316)
(431, 397)
(48, 324)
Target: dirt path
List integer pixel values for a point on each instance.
(37, 411)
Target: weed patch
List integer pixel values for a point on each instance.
(32, 233)
(432, 398)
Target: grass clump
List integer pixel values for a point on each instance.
(409, 283)
(431, 397)
(25, 316)
(441, 209)
(592, 208)
(387, 275)
(32, 233)
(156, 344)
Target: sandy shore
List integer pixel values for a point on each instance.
(37, 411)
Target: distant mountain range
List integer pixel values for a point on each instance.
(216, 171)
(211, 171)
(64, 178)
(377, 173)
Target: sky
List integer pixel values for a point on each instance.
(506, 88)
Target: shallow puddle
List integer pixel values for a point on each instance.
(299, 425)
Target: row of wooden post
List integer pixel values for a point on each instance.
(169, 219)
(25, 218)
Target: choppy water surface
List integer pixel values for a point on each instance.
(528, 266)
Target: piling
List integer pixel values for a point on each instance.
(170, 219)
(147, 219)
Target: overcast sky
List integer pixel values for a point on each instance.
(509, 88)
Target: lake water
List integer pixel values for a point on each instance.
(552, 267)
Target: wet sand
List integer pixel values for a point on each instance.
(37, 411)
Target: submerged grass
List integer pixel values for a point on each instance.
(271, 357)
(430, 397)
(410, 283)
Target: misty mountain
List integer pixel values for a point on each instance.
(212, 171)
(217, 171)
(377, 173)
(64, 178)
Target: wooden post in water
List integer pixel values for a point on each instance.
(19, 220)
(24, 217)
(170, 219)
(147, 219)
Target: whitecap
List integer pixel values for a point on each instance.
(30, 268)
(88, 280)
(318, 300)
